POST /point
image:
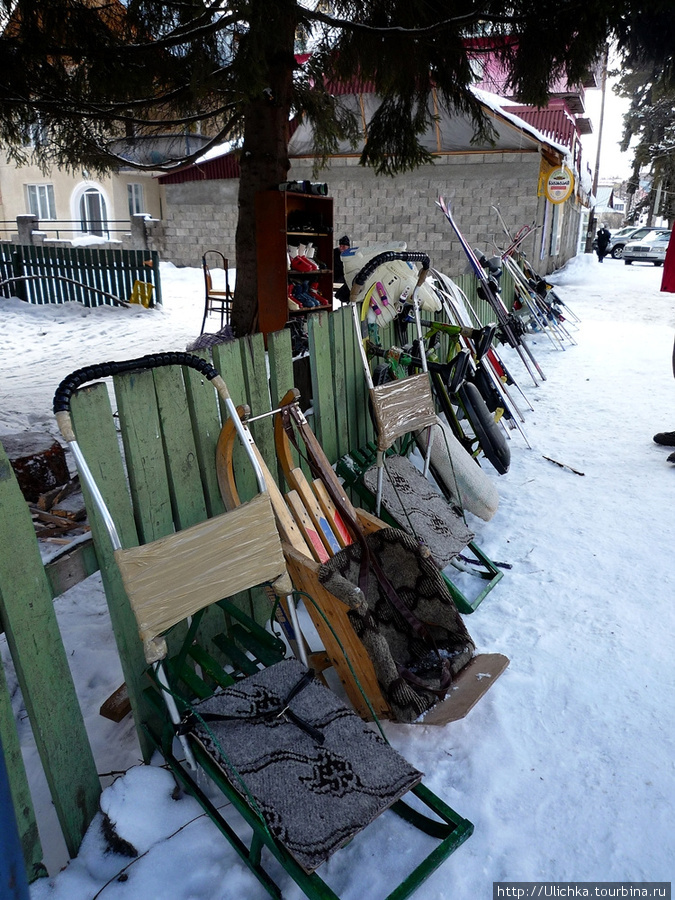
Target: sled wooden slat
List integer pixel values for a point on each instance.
(185, 484)
(472, 682)
(29, 621)
(205, 419)
(95, 429)
(144, 453)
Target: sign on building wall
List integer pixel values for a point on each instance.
(556, 184)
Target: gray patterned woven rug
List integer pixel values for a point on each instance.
(420, 509)
(318, 776)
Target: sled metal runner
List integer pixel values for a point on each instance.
(183, 583)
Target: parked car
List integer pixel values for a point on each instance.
(622, 236)
(652, 248)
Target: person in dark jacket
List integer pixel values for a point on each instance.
(603, 238)
(342, 293)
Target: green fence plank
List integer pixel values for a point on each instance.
(281, 379)
(323, 393)
(228, 359)
(337, 356)
(20, 289)
(34, 640)
(78, 262)
(96, 434)
(156, 278)
(352, 376)
(182, 465)
(18, 786)
(205, 418)
(144, 454)
(254, 365)
(280, 363)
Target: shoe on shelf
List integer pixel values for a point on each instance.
(314, 292)
(302, 264)
(665, 438)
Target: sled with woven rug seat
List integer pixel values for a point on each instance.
(303, 770)
(391, 483)
(380, 596)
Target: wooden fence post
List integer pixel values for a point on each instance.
(28, 618)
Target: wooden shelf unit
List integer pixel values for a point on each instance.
(272, 209)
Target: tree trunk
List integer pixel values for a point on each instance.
(264, 157)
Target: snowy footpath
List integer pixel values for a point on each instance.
(567, 766)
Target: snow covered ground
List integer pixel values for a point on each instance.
(567, 766)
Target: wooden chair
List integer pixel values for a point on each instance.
(216, 301)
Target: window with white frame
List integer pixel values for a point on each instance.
(40, 200)
(135, 195)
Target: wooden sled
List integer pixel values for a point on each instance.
(305, 550)
(224, 699)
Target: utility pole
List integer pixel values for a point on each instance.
(592, 220)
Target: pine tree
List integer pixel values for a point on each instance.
(75, 74)
(648, 80)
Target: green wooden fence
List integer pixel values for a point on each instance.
(89, 275)
(164, 480)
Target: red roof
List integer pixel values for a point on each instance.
(226, 166)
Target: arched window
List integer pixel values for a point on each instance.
(93, 213)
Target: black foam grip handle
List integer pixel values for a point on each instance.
(153, 361)
(388, 256)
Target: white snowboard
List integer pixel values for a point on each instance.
(459, 473)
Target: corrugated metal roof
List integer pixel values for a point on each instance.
(226, 166)
(555, 121)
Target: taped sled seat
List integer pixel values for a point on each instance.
(404, 407)
(302, 769)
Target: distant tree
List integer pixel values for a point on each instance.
(75, 74)
(647, 79)
(650, 125)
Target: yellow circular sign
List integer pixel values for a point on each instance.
(559, 184)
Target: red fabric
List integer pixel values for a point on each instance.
(668, 280)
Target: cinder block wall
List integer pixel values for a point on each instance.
(198, 216)
(403, 208)
(369, 208)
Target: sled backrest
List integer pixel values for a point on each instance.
(176, 551)
(402, 406)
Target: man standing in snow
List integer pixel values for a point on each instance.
(342, 292)
(603, 237)
(667, 438)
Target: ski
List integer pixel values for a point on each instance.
(493, 298)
